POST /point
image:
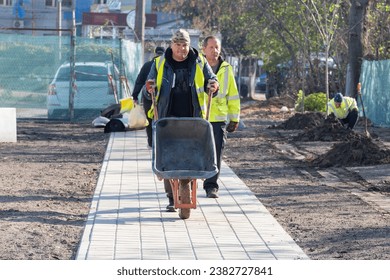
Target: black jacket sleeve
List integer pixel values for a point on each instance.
(141, 79)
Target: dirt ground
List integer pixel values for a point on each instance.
(47, 181)
(328, 187)
(317, 179)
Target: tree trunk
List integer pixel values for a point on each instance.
(252, 77)
(355, 44)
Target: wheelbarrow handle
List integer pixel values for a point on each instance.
(155, 112)
(209, 100)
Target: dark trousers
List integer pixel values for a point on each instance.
(147, 104)
(220, 136)
(168, 188)
(351, 119)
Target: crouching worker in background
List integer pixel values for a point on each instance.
(344, 109)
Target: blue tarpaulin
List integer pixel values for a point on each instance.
(375, 81)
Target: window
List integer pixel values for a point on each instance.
(84, 73)
(51, 3)
(91, 73)
(5, 2)
(67, 3)
(54, 3)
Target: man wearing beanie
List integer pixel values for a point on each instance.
(181, 79)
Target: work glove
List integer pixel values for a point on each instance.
(212, 86)
(232, 126)
(150, 86)
(331, 116)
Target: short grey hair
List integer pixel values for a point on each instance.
(210, 37)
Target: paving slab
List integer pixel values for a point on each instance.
(128, 221)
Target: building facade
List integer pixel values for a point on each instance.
(35, 17)
(51, 17)
(93, 19)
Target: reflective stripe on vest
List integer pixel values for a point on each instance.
(222, 94)
(159, 67)
(225, 84)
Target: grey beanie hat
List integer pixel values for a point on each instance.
(181, 35)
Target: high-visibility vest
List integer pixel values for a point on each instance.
(199, 82)
(347, 105)
(226, 105)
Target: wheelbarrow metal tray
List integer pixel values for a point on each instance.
(183, 148)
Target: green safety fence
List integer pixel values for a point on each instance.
(375, 90)
(28, 66)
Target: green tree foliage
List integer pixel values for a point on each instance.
(280, 30)
(286, 31)
(377, 39)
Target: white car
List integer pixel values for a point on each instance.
(95, 88)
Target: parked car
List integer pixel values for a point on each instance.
(261, 83)
(95, 85)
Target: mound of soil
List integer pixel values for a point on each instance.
(359, 151)
(280, 101)
(330, 130)
(354, 150)
(302, 121)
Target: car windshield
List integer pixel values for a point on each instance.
(84, 73)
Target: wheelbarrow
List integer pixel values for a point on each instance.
(183, 151)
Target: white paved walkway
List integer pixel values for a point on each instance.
(127, 219)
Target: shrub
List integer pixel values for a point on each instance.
(314, 102)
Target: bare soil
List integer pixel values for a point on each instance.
(47, 182)
(306, 170)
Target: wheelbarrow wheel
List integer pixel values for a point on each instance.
(185, 197)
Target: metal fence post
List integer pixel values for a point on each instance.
(72, 81)
(72, 87)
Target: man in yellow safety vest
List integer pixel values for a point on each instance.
(180, 78)
(225, 107)
(345, 109)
